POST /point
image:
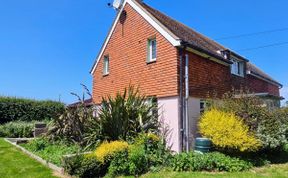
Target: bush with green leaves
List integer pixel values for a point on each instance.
(13, 109)
(134, 162)
(120, 118)
(142, 155)
(147, 153)
(126, 115)
(84, 166)
(269, 126)
(208, 162)
(73, 125)
(273, 130)
(77, 124)
(17, 129)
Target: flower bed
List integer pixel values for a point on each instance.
(52, 152)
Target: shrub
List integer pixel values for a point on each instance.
(227, 131)
(148, 153)
(249, 108)
(17, 129)
(77, 124)
(84, 167)
(72, 164)
(120, 118)
(132, 162)
(13, 109)
(138, 160)
(106, 151)
(155, 148)
(270, 126)
(119, 165)
(72, 125)
(126, 115)
(208, 162)
(272, 130)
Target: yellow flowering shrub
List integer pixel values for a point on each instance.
(153, 137)
(107, 150)
(147, 139)
(226, 130)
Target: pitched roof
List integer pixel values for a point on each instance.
(184, 32)
(254, 70)
(179, 34)
(198, 40)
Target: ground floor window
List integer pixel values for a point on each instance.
(153, 102)
(203, 106)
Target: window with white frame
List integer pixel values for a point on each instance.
(152, 50)
(237, 67)
(106, 65)
(202, 106)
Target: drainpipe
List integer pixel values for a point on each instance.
(186, 101)
(183, 103)
(181, 107)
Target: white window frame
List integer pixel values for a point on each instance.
(106, 64)
(237, 68)
(150, 50)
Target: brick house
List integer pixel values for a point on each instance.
(175, 64)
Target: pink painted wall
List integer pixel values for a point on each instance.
(169, 117)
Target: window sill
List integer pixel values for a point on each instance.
(152, 61)
(238, 75)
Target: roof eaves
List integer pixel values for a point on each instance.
(238, 56)
(207, 52)
(264, 78)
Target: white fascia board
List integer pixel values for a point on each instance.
(157, 25)
(108, 38)
(174, 41)
(264, 79)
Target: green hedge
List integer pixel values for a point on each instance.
(12, 109)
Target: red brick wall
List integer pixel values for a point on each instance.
(209, 79)
(127, 50)
(259, 86)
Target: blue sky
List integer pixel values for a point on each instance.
(48, 47)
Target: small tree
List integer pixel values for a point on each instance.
(127, 115)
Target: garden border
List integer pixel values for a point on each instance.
(35, 157)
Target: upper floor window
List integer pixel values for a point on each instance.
(106, 65)
(237, 67)
(152, 50)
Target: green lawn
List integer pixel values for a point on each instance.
(15, 164)
(274, 171)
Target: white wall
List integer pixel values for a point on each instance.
(194, 115)
(169, 116)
